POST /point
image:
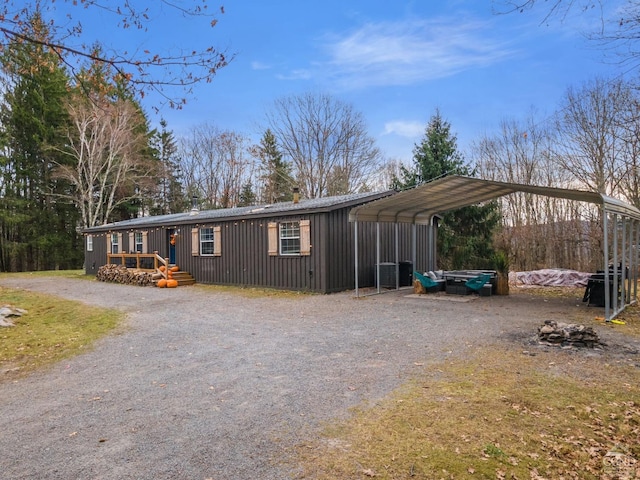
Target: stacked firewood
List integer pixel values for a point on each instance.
(567, 335)
(120, 274)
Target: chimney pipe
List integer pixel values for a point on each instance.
(296, 195)
(194, 205)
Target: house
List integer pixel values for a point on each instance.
(307, 245)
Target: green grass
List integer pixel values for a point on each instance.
(78, 274)
(51, 330)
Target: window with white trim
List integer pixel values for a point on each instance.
(289, 238)
(206, 241)
(115, 244)
(138, 242)
(89, 243)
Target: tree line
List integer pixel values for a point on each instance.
(78, 150)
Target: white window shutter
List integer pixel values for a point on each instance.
(217, 247)
(132, 244)
(195, 242)
(144, 242)
(273, 238)
(120, 244)
(305, 237)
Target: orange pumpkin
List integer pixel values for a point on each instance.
(175, 268)
(172, 283)
(162, 283)
(162, 268)
(169, 274)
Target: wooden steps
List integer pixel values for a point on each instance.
(183, 278)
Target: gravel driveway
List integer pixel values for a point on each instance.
(203, 385)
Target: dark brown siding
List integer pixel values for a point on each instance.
(245, 259)
(341, 243)
(98, 257)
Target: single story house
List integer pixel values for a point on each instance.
(306, 245)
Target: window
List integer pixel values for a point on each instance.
(89, 243)
(114, 243)
(139, 242)
(290, 238)
(206, 241)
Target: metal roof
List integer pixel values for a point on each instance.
(419, 205)
(256, 211)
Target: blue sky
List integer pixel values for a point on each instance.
(395, 62)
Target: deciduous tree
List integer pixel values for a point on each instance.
(327, 142)
(105, 141)
(216, 165)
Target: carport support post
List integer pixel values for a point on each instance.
(397, 259)
(355, 252)
(633, 261)
(607, 292)
(413, 248)
(378, 256)
(615, 264)
(626, 256)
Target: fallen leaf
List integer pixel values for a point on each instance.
(368, 472)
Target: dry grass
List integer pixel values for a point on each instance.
(505, 413)
(592, 315)
(51, 330)
(252, 292)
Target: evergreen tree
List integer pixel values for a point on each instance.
(464, 235)
(277, 179)
(37, 228)
(169, 196)
(247, 195)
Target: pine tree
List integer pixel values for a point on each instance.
(464, 235)
(277, 180)
(169, 196)
(247, 195)
(37, 228)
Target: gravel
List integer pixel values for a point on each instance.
(205, 385)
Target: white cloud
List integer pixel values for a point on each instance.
(300, 74)
(403, 53)
(404, 128)
(256, 65)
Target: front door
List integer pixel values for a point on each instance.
(171, 238)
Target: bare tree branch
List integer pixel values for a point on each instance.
(145, 71)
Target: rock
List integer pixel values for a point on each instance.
(567, 335)
(8, 312)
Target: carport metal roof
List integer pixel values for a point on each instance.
(419, 205)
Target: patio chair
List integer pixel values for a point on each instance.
(476, 283)
(426, 281)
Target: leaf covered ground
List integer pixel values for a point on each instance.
(511, 411)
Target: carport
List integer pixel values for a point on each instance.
(421, 205)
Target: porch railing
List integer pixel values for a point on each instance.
(140, 261)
